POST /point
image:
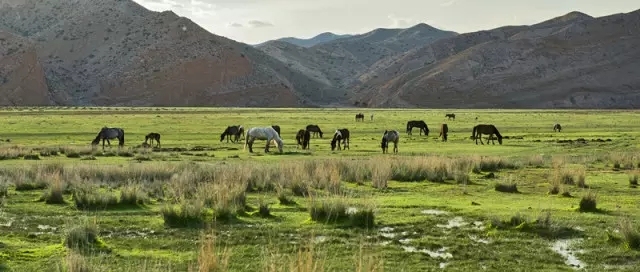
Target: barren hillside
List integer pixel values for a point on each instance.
(22, 80)
(341, 62)
(318, 39)
(573, 61)
(116, 52)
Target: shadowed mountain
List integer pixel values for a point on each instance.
(320, 38)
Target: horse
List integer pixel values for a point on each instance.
(444, 130)
(450, 116)
(315, 129)
(557, 127)
(276, 128)
(153, 136)
(262, 133)
(419, 124)
(234, 131)
(108, 134)
(303, 138)
(478, 130)
(360, 117)
(390, 136)
(371, 117)
(340, 135)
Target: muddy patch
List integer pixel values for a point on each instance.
(562, 247)
(455, 222)
(434, 212)
(440, 253)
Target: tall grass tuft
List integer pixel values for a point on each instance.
(506, 187)
(210, 256)
(132, 194)
(186, 214)
(588, 203)
(92, 198)
(630, 235)
(633, 180)
(75, 262)
(84, 239)
(55, 191)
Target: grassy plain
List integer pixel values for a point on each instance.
(199, 204)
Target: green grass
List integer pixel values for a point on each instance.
(203, 205)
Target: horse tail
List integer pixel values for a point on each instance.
(122, 137)
(246, 141)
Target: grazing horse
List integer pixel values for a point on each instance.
(444, 130)
(108, 134)
(478, 130)
(557, 127)
(303, 138)
(153, 136)
(360, 117)
(390, 136)
(450, 116)
(340, 135)
(234, 131)
(276, 128)
(419, 124)
(315, 129)
(262, 133)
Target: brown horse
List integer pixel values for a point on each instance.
(303, 138)
(478, 130)
(235, 131)
(340, 135)
(360, 117)
(557, 127)
(444, 130)
(450, 116)
(153, 136)
(315, 129)
(419, 124)
(390, 136)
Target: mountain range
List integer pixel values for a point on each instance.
(116, 52)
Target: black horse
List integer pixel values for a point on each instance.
(478, 130)
(107, 134)
(153, 136)
(235, 131)
(557, 127)
(360, 117)
(340, 135)
(419, 124)
(315, 129)
(450, 116)
(303, 138)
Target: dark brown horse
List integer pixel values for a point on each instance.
(315, 129)
(390, 136)
(478, 130)
(107, 134)
(153, 136)
(557, 127)
(235, 131)
(419, 124)
(450, 116)
(303, 138)
(360, 117)
(444, 130)
(340, 135)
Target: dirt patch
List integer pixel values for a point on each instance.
(562, 248)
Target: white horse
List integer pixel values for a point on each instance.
(390, 136)
(262, 133)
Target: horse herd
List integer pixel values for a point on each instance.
(303, 136)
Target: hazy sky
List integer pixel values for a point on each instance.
(255, 21)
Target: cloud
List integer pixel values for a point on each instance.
(256, 24)
(448, 3)
(234, 25)
(400, 22)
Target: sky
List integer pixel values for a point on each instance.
(256, 21)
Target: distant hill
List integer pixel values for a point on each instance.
(116, 52)
(341, 62)
(571, 61)
(320, 38)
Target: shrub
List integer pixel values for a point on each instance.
(132, 194)
(210, 258)
(332, 211)
(187, 214)
(285, 199)
(84, 238)
(264, 210)
(633, 180)
(55, 193)
(87, 199)
(630, 235)
(506, 188)
(588, 203)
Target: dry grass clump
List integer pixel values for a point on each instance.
(90, 197)
(633, 180)
(185, 214)
(588, 203)
(630, 235)
(55, 191)
(338, 211)
(132, 194)
(566, 176)
(84, 239)
(210, 256)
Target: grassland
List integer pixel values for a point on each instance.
(198, 204)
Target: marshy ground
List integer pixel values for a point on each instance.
(543, 201)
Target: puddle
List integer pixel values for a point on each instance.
(7, 224)
(320, 239)
(456, 222)
(433, 254)
(405, 241)
(562, 247)
(479, 225)
(386, 232)
(352, 210)
(443, 265)
(46, 227)
(478, 240)
(434, 212)
(384, 243)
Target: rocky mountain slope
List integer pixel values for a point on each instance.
(573, 61)
(341, 62)
(116, 52)
(318, 39)
(22, 80)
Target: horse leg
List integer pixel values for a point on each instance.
(266, 148)
(480, 137)
(395, 147)
(250, 144)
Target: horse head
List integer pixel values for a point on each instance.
(279, 144)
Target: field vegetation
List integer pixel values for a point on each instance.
(543, 200)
